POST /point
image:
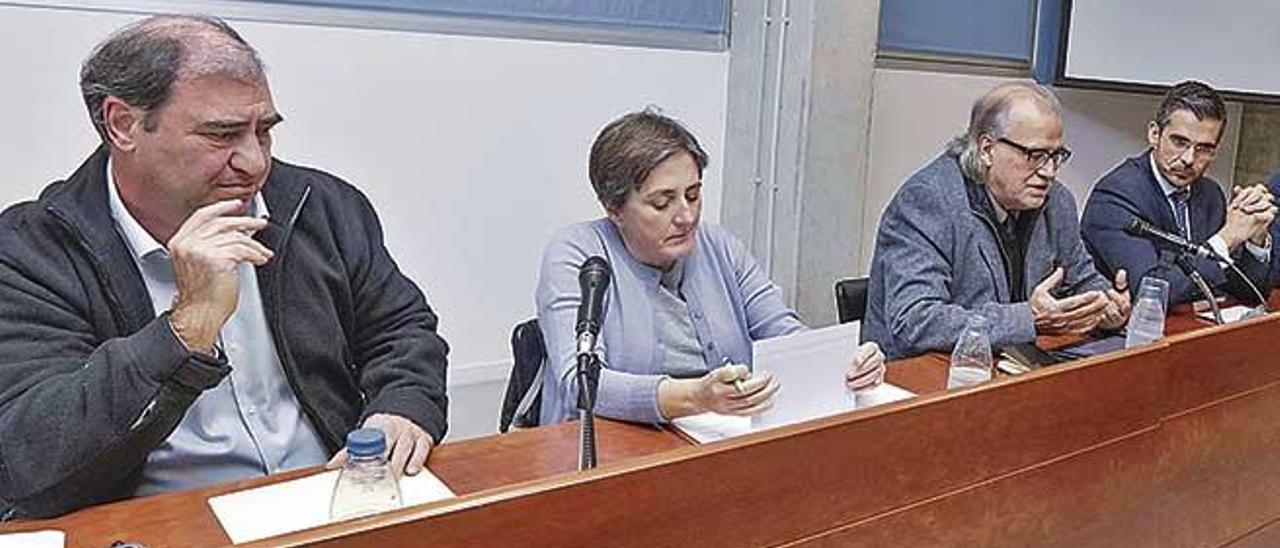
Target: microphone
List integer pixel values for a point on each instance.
(593, 279)
(1142, 229)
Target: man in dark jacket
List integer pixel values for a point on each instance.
(986, 229)
(1166, 186)
(186, 310)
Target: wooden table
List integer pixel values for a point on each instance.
(1173, 444)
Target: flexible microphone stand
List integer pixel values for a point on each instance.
(1262, 301)
(1261, 308)
(588, 377)
(1183, 260)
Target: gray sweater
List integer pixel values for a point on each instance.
(937, 261)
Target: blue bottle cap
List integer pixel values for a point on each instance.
(366, 442)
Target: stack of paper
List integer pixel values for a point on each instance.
(810, 367)
(709, 427)
(1231, 314)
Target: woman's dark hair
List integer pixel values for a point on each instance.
(627, 150)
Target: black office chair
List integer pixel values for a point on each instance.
(851, 299)
(522, 404)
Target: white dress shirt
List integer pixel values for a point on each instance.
(1262, 253)
(251, 423)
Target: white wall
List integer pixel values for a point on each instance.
(1161, 42)
(473, 150)
(915, 113)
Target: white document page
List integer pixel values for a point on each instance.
(810, 367)
(709, 427)
(1230, 314)
(34, 539)
(272, 510)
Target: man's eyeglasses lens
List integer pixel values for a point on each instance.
(1199, 149)
(1038, 157)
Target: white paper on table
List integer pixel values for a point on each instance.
(285, 507)
(1230, 314)
(810, 367)
(34, 539)
(709, 427)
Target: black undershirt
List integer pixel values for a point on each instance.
(1013, 236)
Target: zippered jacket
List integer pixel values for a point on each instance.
(938, 260)
(91, 380)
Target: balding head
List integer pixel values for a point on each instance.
(991, 115)
(140, 63)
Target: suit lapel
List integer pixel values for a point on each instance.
(1199, 212)
(1154, 195)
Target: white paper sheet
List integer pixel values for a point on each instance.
(34, 539)
(709, 427)
(271, 510)
(810, 367)
(1230, 314)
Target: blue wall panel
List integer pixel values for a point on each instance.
(702, 16)
(1001, 29)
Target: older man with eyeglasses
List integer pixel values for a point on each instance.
(1166, 186)
(985, 228)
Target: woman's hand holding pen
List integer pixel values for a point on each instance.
(733, 390)
(867, 370)
(729, 390)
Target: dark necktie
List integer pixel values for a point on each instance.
(1180, 198)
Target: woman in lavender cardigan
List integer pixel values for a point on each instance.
(685, 300)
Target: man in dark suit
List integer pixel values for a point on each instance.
(1166, 187)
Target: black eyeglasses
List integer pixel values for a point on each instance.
(1181, 143)
(1038, 157)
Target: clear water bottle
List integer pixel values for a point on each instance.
(1146, 319)
(971, 357)
(366, 484)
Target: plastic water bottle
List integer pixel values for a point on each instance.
(1146, 322)
(366, 485)
(971, 357)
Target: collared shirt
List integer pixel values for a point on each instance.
(1262, 253)
(251, 423)
(1001, 214)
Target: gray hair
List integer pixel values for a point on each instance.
(990, 116)
(140, 63)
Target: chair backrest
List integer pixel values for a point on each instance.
(522, 404)
(851, 299)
